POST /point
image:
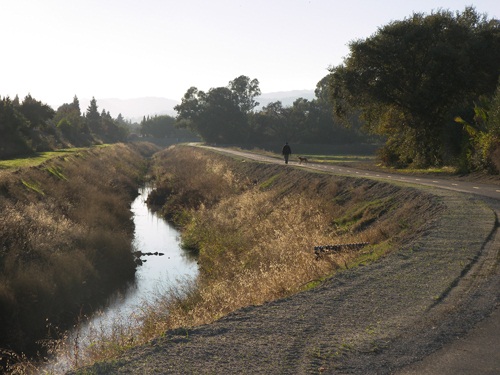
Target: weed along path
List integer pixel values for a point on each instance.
(379, 318)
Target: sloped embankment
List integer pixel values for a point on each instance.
(65, 240)
(371, 318)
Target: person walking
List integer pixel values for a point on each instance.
(286, 151)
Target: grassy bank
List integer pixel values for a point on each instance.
(254, 227)
(39, 158)
(65, 240)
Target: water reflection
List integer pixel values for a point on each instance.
(153, 234)
(156, 274)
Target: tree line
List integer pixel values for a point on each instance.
(228, 115)
(162, 126)
(426, 88)
(223, 115)
(32, 126)
(429, 85)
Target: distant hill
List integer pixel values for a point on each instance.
(135, 109)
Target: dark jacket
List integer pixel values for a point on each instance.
(286, 150)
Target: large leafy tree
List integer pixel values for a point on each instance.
(246, 91)
(272, 124)
(222, 120)
(412, 77)
(36, 112)
(220, 115)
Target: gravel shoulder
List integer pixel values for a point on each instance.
(376, 319)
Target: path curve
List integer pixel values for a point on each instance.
(476, 188)
(478, 352)
(383, 318)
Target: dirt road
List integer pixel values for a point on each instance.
(482, 189)
(478, 351)
(387, 317)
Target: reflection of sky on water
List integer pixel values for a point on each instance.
(153, 234)
(156, 274)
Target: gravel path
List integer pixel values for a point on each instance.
(375, 319)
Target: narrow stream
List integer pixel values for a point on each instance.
(153, 235)
(156, 274)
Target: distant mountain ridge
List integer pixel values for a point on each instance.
(135, 109)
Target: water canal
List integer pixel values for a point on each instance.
(157, 273)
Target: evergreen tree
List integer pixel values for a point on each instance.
(93, 118)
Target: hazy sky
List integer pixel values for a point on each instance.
(55, 49)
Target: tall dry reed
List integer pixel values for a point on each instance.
(254, 227)
(65, 241)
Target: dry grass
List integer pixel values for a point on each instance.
(254, 228)
(65, 240)
(255, 244)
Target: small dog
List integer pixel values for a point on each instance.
(302, 159)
